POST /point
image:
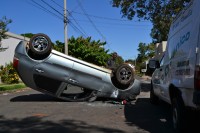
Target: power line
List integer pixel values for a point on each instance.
(76, 29)
(79, 3)
(37, 5)
(72, 18)
(82, 32)
(121, 24)
(90, 20)
(58, 4)
(52, 8)
(107, 18)
(78, 25)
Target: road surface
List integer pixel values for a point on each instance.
(29, 111)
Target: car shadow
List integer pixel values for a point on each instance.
(35, 98)
(48, 98)
(41, 125)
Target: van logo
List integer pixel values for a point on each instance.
(183, 39)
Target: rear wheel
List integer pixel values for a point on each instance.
(40, 45)
(179, 114)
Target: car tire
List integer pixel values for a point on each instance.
(153, 98)
(40, 45)
(124, 74)
(179, 114)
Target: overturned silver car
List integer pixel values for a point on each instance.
(68, 78)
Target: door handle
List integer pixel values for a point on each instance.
(39, 71)
(73, 81)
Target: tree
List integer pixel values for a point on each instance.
(29, 35)
(142, 49)
(131, 61)
(150, 50)
(3, 27)
(88, 50)
(159, 12)
(146, 51)
(85, 49)
(59, 46)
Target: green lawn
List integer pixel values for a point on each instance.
(9, 87)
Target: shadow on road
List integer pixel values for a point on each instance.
(35, 98)
(145, 87)
(151, 118)
(38, 125)
(156, 118)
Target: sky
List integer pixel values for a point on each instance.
(95, 18)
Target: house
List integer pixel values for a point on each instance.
(7, 47)
(159, 50)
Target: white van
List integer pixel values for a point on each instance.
(177, 79)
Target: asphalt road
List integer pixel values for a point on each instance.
(30, 111)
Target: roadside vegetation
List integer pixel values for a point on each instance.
(9, 78)
(11, 87)
(8, 74)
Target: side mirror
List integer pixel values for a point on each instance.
(153, 64)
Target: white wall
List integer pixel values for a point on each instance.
(7, 55)
(11, 42)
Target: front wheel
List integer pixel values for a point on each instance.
(124, 74)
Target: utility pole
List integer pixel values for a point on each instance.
(135, 60)
(65, 27)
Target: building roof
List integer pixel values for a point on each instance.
(9, 34)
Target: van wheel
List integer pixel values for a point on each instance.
(40, 45)
(153, 98)
(179, 114)
(124, 74)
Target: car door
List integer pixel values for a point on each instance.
(49, 74)
(87, 75)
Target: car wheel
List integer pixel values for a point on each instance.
(124, 74)
(153, 98)
(40, 45)
(179, 114)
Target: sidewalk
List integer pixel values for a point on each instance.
(145, 77)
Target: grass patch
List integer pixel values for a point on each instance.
(6, 87)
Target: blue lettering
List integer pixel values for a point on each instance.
(183, 39)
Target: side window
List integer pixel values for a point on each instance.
(162, 61)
